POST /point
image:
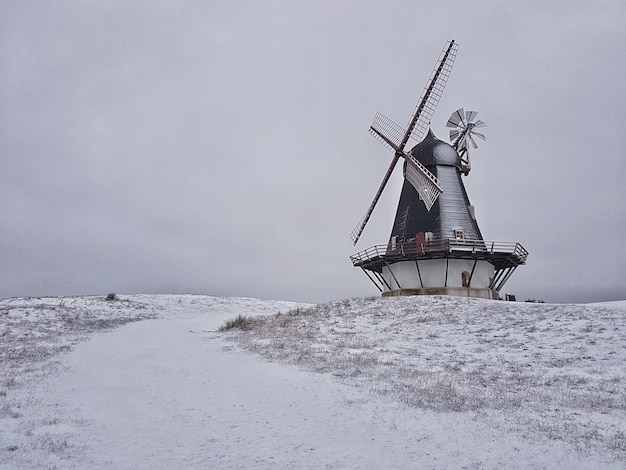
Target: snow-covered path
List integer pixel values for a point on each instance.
(173, 393)
(159, 394)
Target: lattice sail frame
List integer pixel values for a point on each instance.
(438, 80)
(425, 183)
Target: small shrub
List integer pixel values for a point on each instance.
(241, 322)
(112, 296)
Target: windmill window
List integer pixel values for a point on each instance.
(459, 234)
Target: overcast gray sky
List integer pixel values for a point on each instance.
(221, 147)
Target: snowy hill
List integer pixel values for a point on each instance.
(147, 381)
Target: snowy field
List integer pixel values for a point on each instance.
(148, 381)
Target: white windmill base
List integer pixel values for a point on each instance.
(460, 277)
(470, 268)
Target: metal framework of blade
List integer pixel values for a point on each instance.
(387, 131)
(470, 115)
(478, 124)
(432, 92)
(425, 183)
(456, 118)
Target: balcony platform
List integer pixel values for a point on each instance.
(505, 257)
(500, 254)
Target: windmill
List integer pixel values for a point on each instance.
(435, 246)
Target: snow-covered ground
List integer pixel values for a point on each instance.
(422, 382)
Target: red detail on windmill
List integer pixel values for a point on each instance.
(420, 240)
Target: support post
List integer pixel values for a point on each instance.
(371, 279)
(392, 275)
(472, 273)
(419, 274)
(509, 273)
(381, 278)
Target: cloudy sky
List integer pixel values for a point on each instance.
(221, 147)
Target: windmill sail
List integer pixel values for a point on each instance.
(425, 183)
(358, 230)
(432, 92)
(387, 131)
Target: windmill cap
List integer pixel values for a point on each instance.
(432, 151)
